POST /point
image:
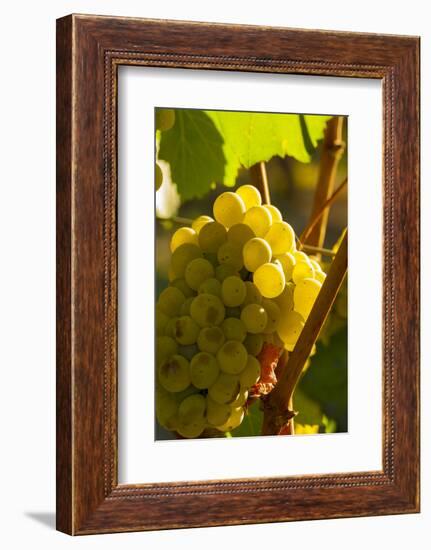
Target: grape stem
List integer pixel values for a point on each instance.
(278, 405)
(333, 148)
(259, 179)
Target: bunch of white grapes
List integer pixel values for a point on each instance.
(237, 282)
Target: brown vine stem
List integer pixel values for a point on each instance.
(277, 407)
(332, 150)
(318, 216)
(259, 179)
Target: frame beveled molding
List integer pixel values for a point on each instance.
(89, 51)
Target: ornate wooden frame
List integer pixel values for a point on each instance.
(89, 51)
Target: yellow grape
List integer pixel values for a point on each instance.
(241, 400)
(174, 374)
(198, 271)
(253, 343)
(207, 310)
(211, 286)
(305, 295)
(182, 256)
(211, 236)
(289, 328)
(234, 420)
(204, 370)
(185, 308)
(183, 286)
(320, 276)
(233, 291)
(165, 348)
(254, 318)
(281, 238)
(250, 195)
(216, 413)
(287, 262)
(270, 280)
(285, 300)
(253, 295)
(183, 235)
(161, 320)
(166, 408)
(239, 234)
(186, 331)
(234, 329)
(165, 119)
(170, 301)
(302, 270)
(211, 339)
(230, 253)
(191, 416)
(225, 270)
(273, 313)
(256, 252)
(225, 389)
(251, 374)
(229, 209)
(259, 220)
(301, 256)
(232, 357)
(199, 222)
(275, 212)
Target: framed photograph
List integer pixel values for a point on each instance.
(237, 274)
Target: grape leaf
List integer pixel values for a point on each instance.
(193, 148)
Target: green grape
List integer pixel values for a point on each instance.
(166, 408)
(161, 321)
(302, 270)
(198, 271)
(305, 295)
(188, 352)
(185, 308)
(270, 280)
(182, 256)
(229, 253)
(239, 234)
(320, 276)
(191, 416)
(234, 329)
(233, 291)
(186, 331)
(229, 209)
(159, 177)
(174, 374)
(170, 301)
(204, 370)
(259, 220)
(184, 287)
(211, 339)
(275, 212)
(253, 295)
(253, 343)
(281, 238)
(256, 252)
(225, 270)
(287, 262)
(225, 389)
(232, 357)
(183, 235)
(289, 328)
(234, 420)
(251, 374)
(165, 348)
(254, 318)
(250, 195)
(273, 313)
(285, 299)
(217, 413)
(199, 222)
(211, 286)
(211, 236)
(165, 119)
(207, 310)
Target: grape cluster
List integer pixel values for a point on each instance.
(237, 282)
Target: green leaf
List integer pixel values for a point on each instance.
(254, 137)
(193, 148)
(252, 423)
